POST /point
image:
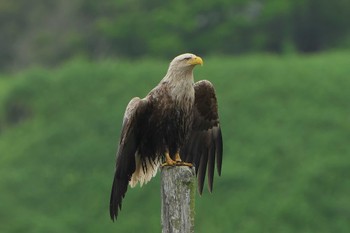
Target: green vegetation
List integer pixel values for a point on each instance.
(285, 124)
(48, 32)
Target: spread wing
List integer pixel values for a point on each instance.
(204, 146)
(129, 141)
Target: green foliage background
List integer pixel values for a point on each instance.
(286, 131)
(48, 32)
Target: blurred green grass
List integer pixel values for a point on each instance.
(286, 129)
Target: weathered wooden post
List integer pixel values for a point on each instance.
(177, 194)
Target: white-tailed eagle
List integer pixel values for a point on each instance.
(176, 124)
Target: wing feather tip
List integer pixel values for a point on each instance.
(219, 150)
(210, 188)
(200, 190)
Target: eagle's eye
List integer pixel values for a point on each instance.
(187, 58)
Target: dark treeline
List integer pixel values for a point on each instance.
(48, 31)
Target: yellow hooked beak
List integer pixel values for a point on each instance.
(196, 61)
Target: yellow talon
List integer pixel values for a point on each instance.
(184, 164)
(168, 160)
(177, 162)
(177, 157)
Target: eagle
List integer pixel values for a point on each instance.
(176, 124)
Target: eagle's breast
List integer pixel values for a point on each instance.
(172, 115)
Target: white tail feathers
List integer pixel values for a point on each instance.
(143, 175)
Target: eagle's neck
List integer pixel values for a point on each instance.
(180, 85)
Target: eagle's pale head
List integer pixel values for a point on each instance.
(184, 61)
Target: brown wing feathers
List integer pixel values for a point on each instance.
(204, 146)
(126, 154)
(219, 149)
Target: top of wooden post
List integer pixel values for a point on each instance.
(177, 194)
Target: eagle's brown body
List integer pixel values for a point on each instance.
(177, 118)
(175, 112)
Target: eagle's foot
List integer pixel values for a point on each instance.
(176, 163)
(168, 161)
(171, 163)
(181, 163)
